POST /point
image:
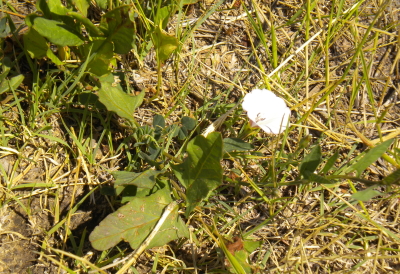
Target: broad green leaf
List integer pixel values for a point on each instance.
(13, 83)
(35, 44)
(130, 185)
(82, 6)
(134, 221)
(370, 157)
(311, 161)
(145, 179)
(250, 245)
(158, 121)
(51, 8)
(201, 172)
(236, 144)
(165, 44)
(55, 10)
(102, 3)
(188, 122)
(90, 27)
(117, 26)
(4, 27)
(158, 125)
(58, 33)
(100, 63)
(118, 101)
(366, 194)
(53, 57)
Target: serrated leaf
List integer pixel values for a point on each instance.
(311, 161)
(35, 44)
(118, 101)
(236, 144)
(201, 172)
(370, 157)
(146, 179)
(134, 221)
(56, 32)
(366, 194)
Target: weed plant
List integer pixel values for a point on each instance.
(125, 149)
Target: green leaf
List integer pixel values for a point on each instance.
(145, 179)
(90, 27)
(165, 44)
(188, 122)
(117, 26)
(158, 121)
(12, 84)
(118, 101)
(4, 27)
(201, 172)
(6, 65)
(370, 157)
(366, 194)
(232, 144)
(318, 179)
(330, 163)
(392, 178)
(311, 162)
(158, 125)
(102, 3)
(51, 8)
(35, 44)
(58, 33)
(82, 6)
(134, 221)
(187, 125)
(100, 63)
(53, 57)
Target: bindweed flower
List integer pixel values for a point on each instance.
(266, 110)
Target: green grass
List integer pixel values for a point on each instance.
(288, 201)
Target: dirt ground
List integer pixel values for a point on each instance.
(26, 224)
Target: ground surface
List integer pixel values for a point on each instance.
(304, 230)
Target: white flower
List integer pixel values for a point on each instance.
(266, 110)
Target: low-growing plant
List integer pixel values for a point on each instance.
(177, 167)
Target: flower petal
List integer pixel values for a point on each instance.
(266, 110)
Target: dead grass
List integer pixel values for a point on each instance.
(313, 228)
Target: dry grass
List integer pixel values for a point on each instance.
(338, 70)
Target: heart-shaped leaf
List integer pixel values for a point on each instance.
(56, 32)
(134, 221)
(118, 101)
(116, 25)
(201, 172)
